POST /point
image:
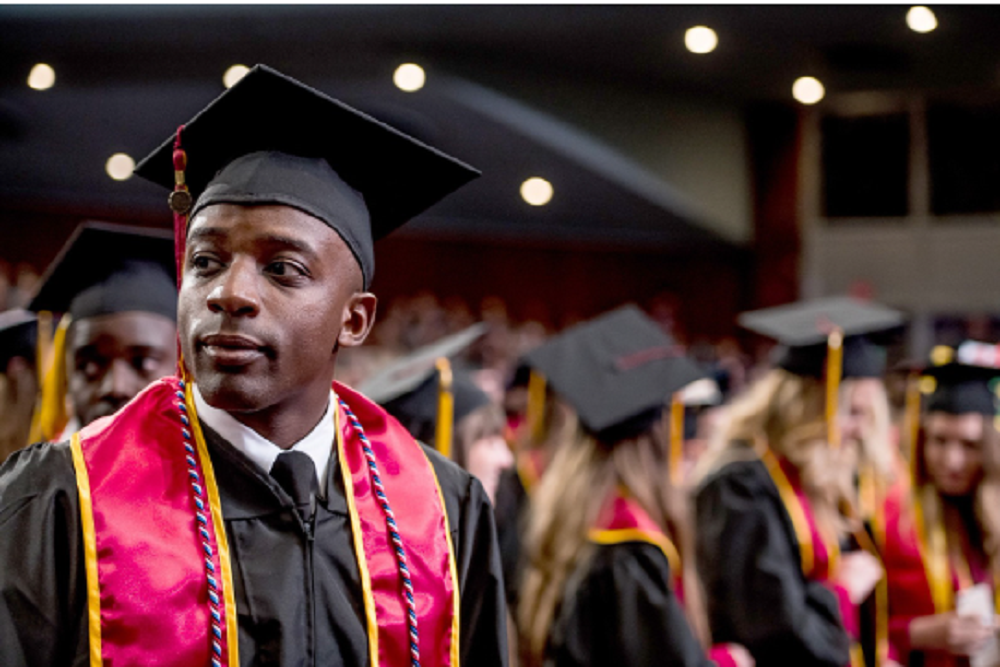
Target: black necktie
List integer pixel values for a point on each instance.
(296, 474)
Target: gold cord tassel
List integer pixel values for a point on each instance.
(676, 440)
(446, 408)
(536, 405)
(52, 415)
(834, 369)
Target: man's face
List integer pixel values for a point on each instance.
(111, 358)
(953, 452)
(267, 294)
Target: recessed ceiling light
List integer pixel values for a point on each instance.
(808, 90)
(120, 166)
(700, 39)
(234, 74)
(536, 191)
(409, 77)
(42, 77)
(921, 19)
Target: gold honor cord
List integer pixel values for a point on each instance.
(676, 440)
(795, 510)
(933, 546)
(446, 408)
(834, 369)
(536, 405)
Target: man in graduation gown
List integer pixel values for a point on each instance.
(251, 511)
(115, 287)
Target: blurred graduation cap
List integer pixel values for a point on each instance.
(18, 336)
(966, 379)
(835, 337)
(270, 139)
(618, 372)
(804, 329)
(104, 269)
(425, 393)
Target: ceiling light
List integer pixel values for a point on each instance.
(409, 77)
(921, 19)
(42, 77)
(700, 39)
(808, 90)
(234, 74)
(536, 191)
(120, 166)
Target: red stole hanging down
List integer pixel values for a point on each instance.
(622, 520)
(819, 555)
(159, 580)
(922, 581)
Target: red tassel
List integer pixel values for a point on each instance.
(178, 198)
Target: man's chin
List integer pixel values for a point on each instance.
(231, 393)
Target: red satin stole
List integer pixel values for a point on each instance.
(910, 589)
(148, 566)
(418, 504)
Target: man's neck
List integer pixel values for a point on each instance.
(285, 425)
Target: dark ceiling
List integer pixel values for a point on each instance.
(127, 74)
(762, 49)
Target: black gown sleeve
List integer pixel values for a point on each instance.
(43, 592)
(483, 640)
(511, 512)
(749, 563)
(622, 611)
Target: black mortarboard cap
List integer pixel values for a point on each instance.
(968, 383)
(273, 140)
(18, 334)
(803, 327)
(408, 387)
(106, 269)
(617, 371)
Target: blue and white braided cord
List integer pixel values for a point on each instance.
(198, 493)
(390, 519)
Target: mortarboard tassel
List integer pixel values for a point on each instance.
(52, 415)
(911, 420)
(43, 344)
(834, 369)
(676, 440)
(536, 405)
(180, 203)
(446, 408)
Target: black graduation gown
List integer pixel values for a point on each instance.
(298, 599)
(748, 559)
(620, 610)
(512, 505)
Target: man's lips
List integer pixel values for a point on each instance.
(231, 349)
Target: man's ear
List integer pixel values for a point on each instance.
(359, 316)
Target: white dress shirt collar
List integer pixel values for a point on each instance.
(318, 443)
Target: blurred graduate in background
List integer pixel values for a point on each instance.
(942, 551)
(609, 574)
(778, 491)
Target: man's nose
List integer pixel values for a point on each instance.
(120, 382)
(236, 291)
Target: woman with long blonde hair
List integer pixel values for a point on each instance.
(777, 494)
(943, 532)
(609, 575)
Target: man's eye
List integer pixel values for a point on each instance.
(285, 269)
(204, 262)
